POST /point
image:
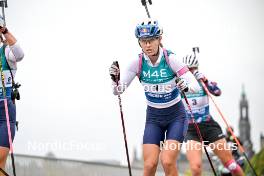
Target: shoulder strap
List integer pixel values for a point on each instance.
(9, 68)
(166, 55)
(181, 71)
(139, 65)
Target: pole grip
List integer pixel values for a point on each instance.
(177, 80)
(150, 2)
(196, 49)
(143, 2)
(114, 77)
(3, 3)
(116, 63)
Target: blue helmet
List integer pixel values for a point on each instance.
(148, 28)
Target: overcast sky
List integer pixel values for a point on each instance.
(66, 97)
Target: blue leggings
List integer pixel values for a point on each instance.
(4, 141)
(166, 123)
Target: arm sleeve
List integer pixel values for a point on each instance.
(182, 71)
(213, 88)
(14, 53)
(126, 78)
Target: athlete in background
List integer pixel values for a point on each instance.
(210, 130)
(11, 53)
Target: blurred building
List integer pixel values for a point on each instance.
(244, 125)
(44, 166)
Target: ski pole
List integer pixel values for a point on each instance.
(224, 119)
(229, 128)
(123, 124)
(197, 129)
(196, 49)
(3, 172)
(7, 120)
(144, 3)
(3, 4)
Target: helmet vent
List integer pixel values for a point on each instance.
(152, 30)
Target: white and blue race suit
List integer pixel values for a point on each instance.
(165, 110)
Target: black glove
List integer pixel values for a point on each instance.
(182, 84)
(114, 71)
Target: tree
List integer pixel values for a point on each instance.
(258, 163)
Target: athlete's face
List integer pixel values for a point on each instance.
(150, 46)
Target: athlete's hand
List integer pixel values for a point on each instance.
(199, 76)
(182, 84)
(3, 29)
(114, 71)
